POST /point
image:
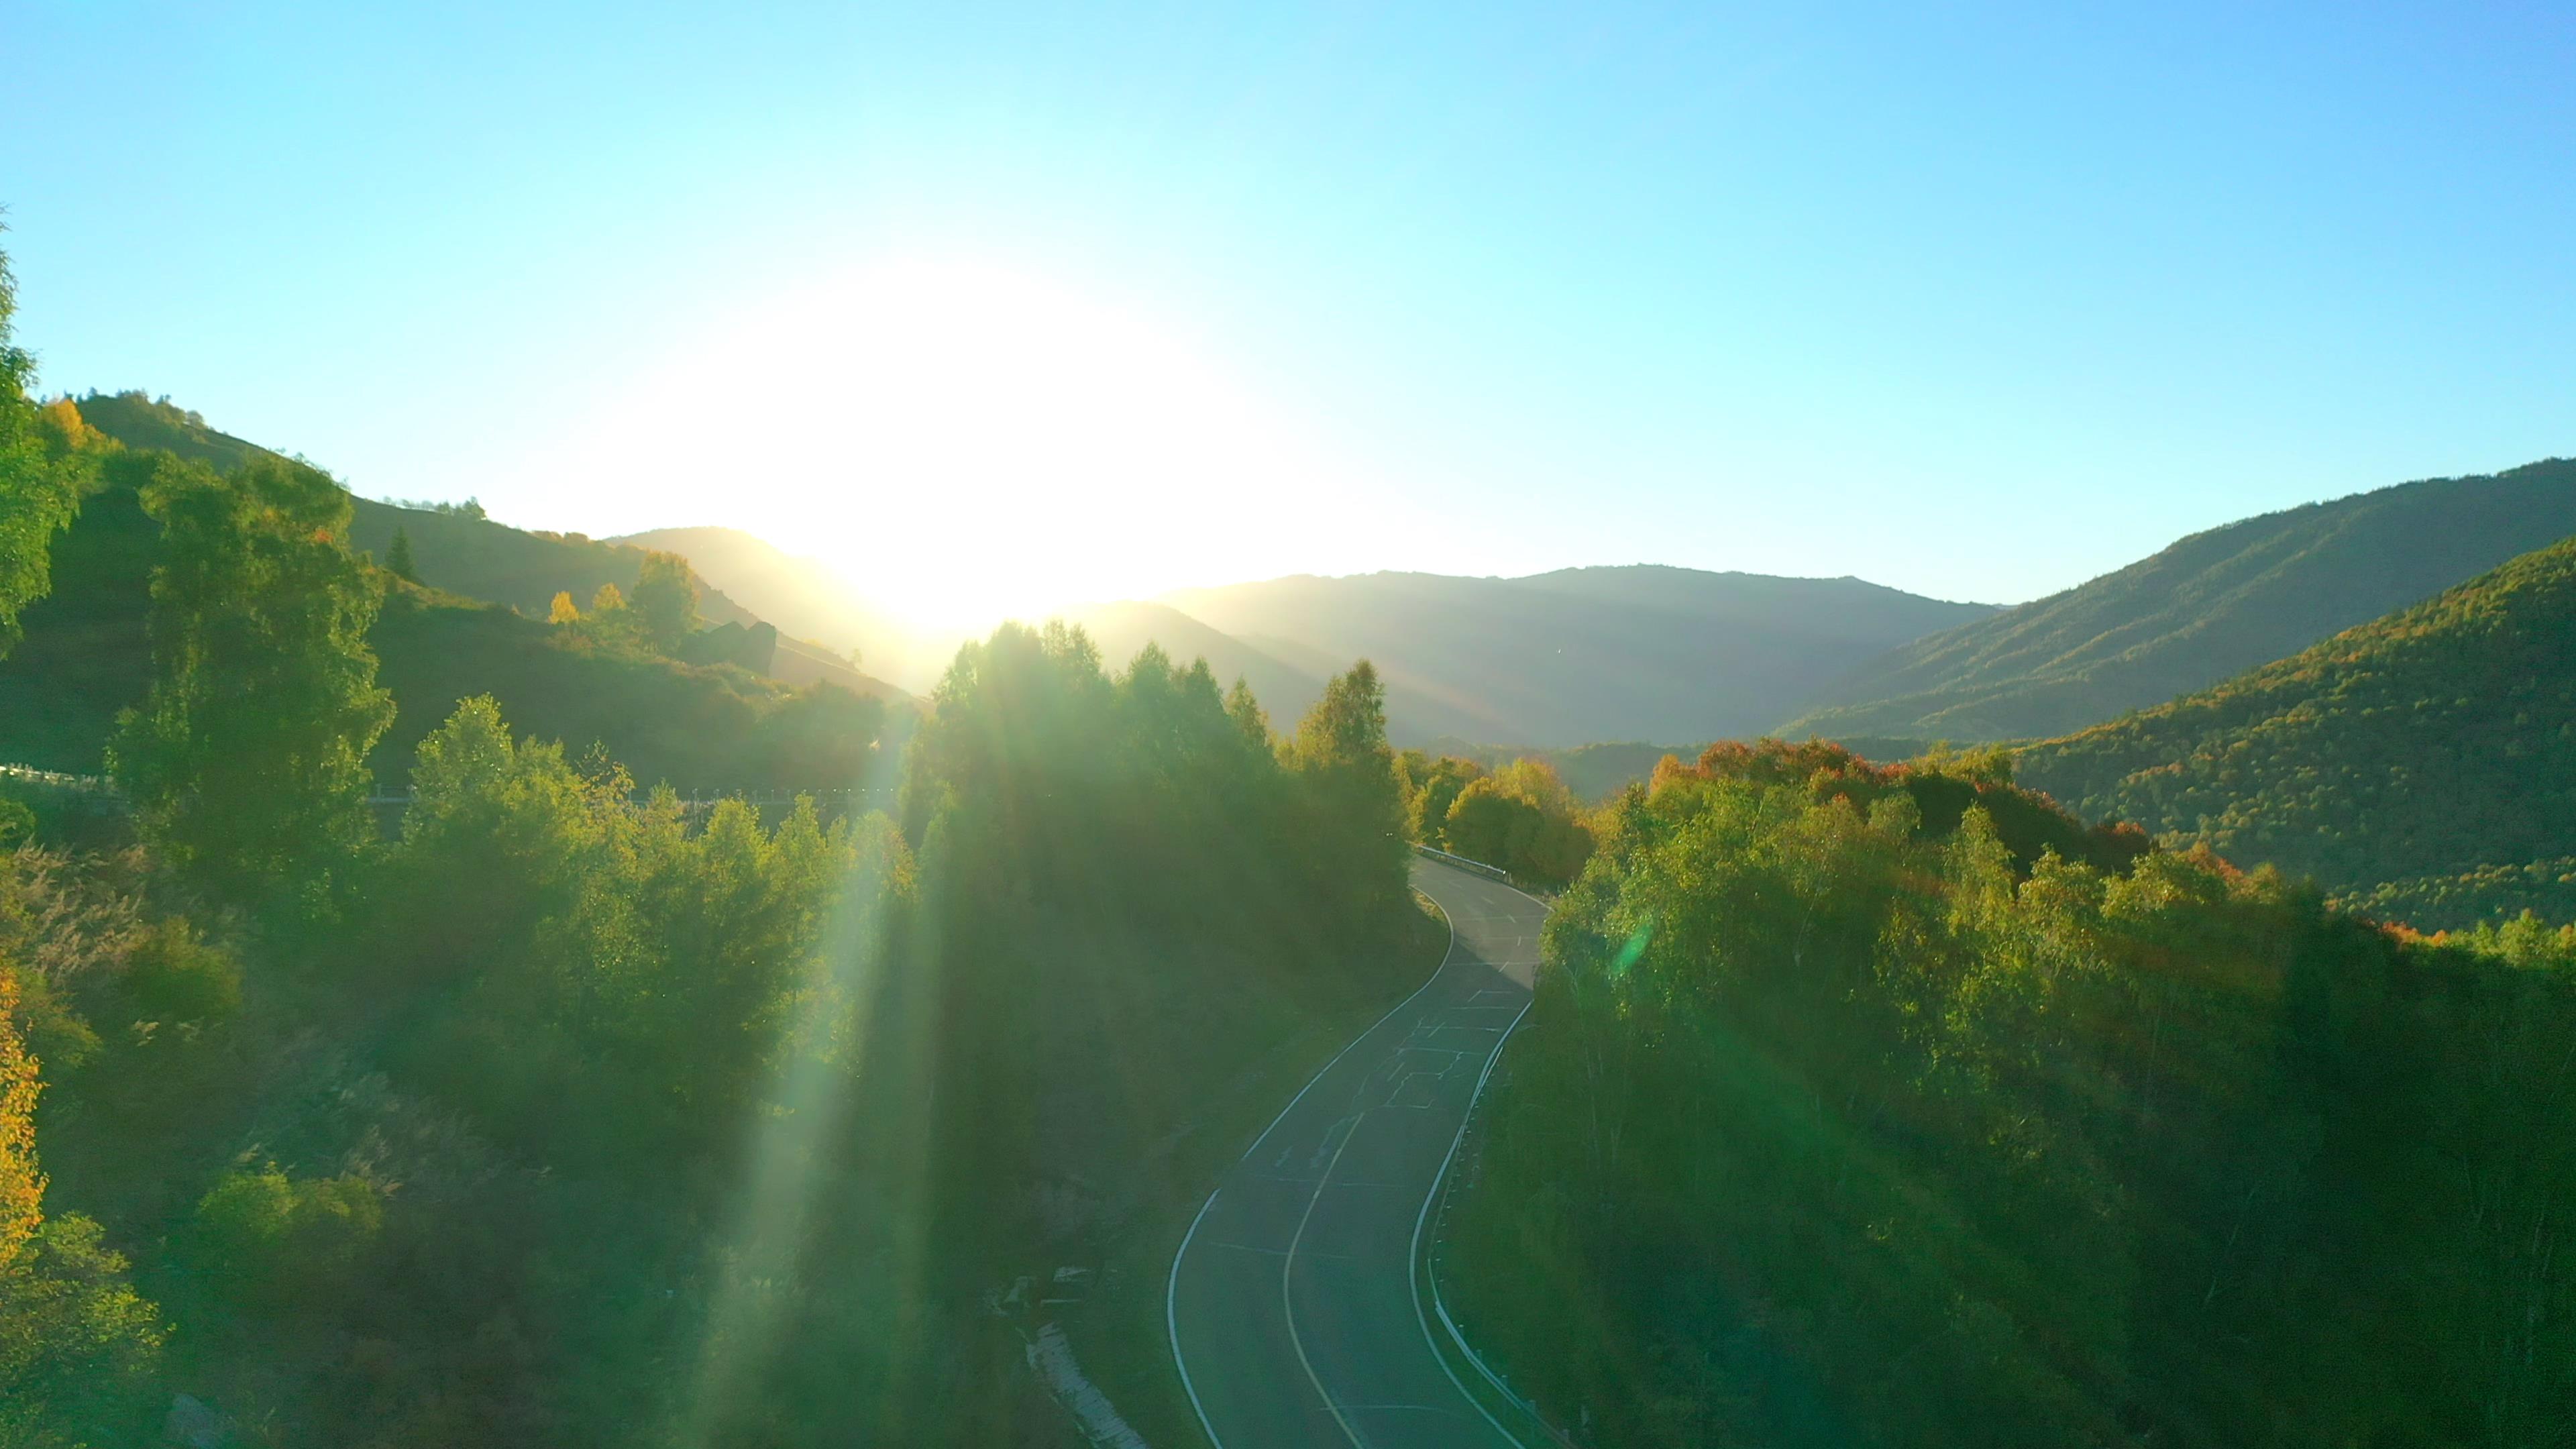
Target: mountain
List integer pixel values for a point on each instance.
(806, 598)
(2422, 766)
(86, 654)
(2210, 606)
(1564, 658)
(454, 547)
(1123, 629)
(459, 551)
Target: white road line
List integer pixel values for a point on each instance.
(1288, 1298)
(1172, 1285)
(1413, 1255)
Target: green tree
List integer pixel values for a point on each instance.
(1251, 721)
(398, 556)
(248, 762)
(75, 1339)
(1522, 818)
(1356, 808)
(40, 475)
(1431, 786)
(666, 600)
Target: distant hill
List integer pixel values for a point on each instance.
(1598, 771)
(808, 597)
(458, 550)
(1123, 629)
(804, 597)
(86, 654)
(1579, 655)
(2210, 606)
(2422, 766)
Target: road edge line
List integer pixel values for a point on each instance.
(1417, 1268)
(1172, 1284)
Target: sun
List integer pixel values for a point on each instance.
(968, 442)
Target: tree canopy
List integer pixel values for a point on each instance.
(248, 761)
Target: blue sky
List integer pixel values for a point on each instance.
(1979, 303)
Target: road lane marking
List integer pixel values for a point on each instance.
(1172, 1284)
(1288, 1297)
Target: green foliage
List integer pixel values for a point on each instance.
(77, 1344)
(279, 1244)
(42, 468)
(666, 601)
(248, 762)
(87, 655)
(1354, 806)
(2208, 607)
(1430, 786)
(398, 560)
(1522, 818)
(2421, 767)
(1847, 1117)
(75, 1339)
(698, 727)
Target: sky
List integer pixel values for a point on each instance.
(995, 306)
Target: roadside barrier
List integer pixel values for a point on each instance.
(1463, 863)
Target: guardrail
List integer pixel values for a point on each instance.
(56, 779)
(1463, 863)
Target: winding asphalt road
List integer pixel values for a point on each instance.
(1293, 1307)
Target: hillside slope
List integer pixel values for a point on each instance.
(2210, 606)
(804, 597)
(807, 597)
(453, 548)
(2422, 766)
(1578, 655)
(87, 655)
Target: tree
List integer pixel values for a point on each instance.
(1340, 755)
(75, 1338)
(565, 611)
(398, 556)
(22, 1185)
(666, 600)
(40, 474)
(1431, 786)
(1250, 720)
(248, 761)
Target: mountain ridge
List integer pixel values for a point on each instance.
(2206, 607)
(2420, 766)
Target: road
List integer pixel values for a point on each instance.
(1293, 1306)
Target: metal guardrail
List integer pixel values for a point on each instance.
(1463, 863)
(86, 784)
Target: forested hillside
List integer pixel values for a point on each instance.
(707, 724)
(454, 548)
(2422, 767)
(2210, 606)
(805, 599)
(1580, 655)
(810, 598)
(571, 1116)
(1868, 1106)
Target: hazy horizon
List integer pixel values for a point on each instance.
(1133, 304)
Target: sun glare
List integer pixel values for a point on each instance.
(967, 443)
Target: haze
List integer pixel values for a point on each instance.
(1828, 293)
